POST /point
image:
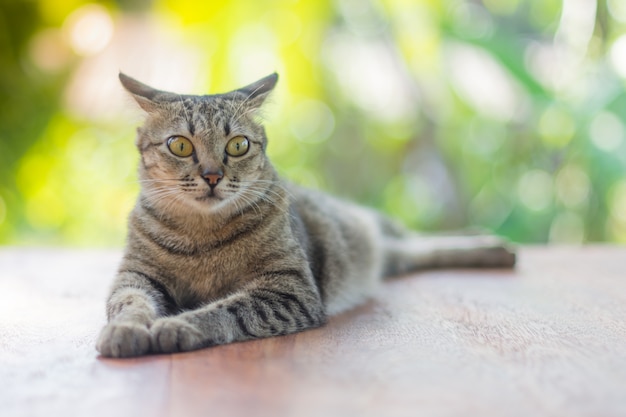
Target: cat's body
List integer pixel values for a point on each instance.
(220, 249)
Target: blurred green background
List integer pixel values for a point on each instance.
(503, 114)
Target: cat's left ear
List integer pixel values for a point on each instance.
(257, 92)
(147, 97)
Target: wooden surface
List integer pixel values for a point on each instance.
(548, 339)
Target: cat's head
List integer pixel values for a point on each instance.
(202, 153)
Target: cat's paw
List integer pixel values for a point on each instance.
(171, 334)
(123, 340)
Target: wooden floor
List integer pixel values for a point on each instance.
(548, 339)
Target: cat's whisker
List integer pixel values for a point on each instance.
(177, 198)
(264, 182)
(157, 187)
(260, 195)
(263, 197)
(256, 196)
(162, 199)
(170, 197)
(149, 180)
(252, 198)
(285, 196)
(238, 208)
(159, 193)
(269, 194)
(271, 182)
(235, 202)
(248, 200)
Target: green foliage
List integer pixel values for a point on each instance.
(507, 115)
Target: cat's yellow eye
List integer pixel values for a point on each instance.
(180, 146)
(237, 146)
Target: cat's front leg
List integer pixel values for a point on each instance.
(135, 302)
(263, 309)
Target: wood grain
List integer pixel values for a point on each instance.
(548, 339)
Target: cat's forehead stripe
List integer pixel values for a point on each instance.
(191, 127)
(203, 114)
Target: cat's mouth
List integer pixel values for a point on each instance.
(210, 195)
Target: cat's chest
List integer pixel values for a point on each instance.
(197, 280)
(201, 279)
(199, 266)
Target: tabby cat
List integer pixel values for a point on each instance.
(220, 249)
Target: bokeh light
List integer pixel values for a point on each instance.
(89, 29)
(507, 115)
(618, 55)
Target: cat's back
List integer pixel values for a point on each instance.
(320, 210)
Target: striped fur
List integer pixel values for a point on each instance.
(255, 256)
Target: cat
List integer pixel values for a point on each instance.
(220, 249)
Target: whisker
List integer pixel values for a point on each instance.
(155, 179)
(270, 192)
(268, 195)
(250, 202)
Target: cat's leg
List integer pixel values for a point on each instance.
(267, 307)
(136, 300)
(429, 252)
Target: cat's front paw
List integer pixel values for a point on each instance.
(171, 334)
(123, 340)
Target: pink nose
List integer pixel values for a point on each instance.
(212, 178)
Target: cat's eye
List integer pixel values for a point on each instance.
(180, 146)
(237, 146)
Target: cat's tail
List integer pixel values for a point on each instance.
(405, 251)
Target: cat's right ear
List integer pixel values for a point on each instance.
(256, 93)
(144, 95)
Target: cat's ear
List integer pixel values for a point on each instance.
(146, 96)
(257, 92)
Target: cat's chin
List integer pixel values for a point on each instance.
(211, 202)
(210, 199)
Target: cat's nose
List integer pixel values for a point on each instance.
(212, 177)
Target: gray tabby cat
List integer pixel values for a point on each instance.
(220, 249)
